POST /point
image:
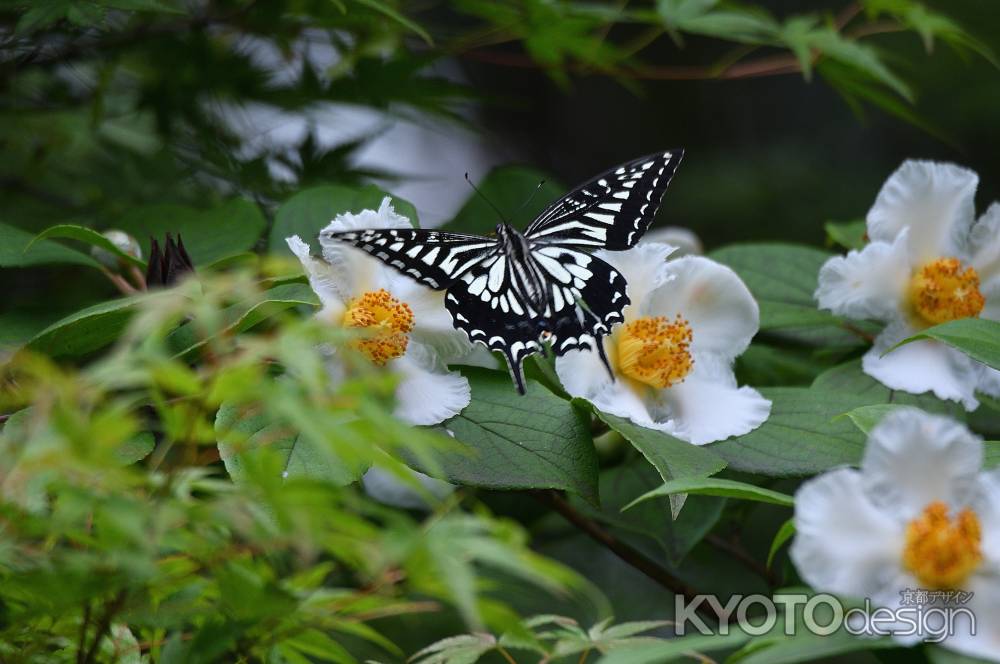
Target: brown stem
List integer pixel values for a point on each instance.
(84, 624)
(740, 554)
(635, 558)
(113, 607)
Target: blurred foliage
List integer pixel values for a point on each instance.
(180, 476)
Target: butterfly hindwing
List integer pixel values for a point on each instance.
(613, 210)
(434, 258)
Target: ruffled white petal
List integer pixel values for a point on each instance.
(427, 392)
(991, 291)
(432, 323)
(914, 458)
(355, 269)
(719, 307)
(985, 245)
(987, 508)
(708, 406)
(843, 543)
(322, 279)
(870, 283)
(934, 201)
(644, 268)
(686, 241)
(389, 489)
(921, 366)
(985, 643)
(583, 375)
(989, 380)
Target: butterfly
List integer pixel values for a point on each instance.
(517, 292)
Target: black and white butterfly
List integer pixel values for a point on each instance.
(518, 291)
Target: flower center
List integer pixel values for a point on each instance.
(386, 321)
(654, 351)
(940, 551)
(944, 290)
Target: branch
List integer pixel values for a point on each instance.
(113, 607)
(629, 555)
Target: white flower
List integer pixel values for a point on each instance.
(919, 514)
(410, 331)
(928, 262)
(685, 240)
(672, 357)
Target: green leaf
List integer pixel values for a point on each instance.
(675, 650)
(706, 17)
(208, 235)
(515, 191)
(717, 486)
(135, 449)
(306, 213)
(394, 15)
(782, 278)
(866, 417)
(858, 56)
(86, 330)
(245, 315)
(979, 338)
(19, 249)
(534, 441)
(783, 535)
(848, 234)
(804, 434)
(850, 378)
(991, 453)
(243, 433)
(672, 458)
(939, 655)
(87, 235)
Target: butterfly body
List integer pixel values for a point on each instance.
(518, 292)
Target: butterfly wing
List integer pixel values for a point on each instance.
(611, 211)
(584, 297)
(434, 258)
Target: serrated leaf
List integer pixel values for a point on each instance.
(306, 213)
(244, 432)
(396, 16)
(803, 435)
(511, 441)
(86, 235)
(866, 417)
(717, 486)
(672, 458)
(674, 650)
(849, 377)
(979, 338)
(135, 449)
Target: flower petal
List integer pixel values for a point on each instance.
(921, 366)
(389, 489)
(985, 244)
(322, 279)
(843, 543)
(914, 458)
(985, 643)
(583, 375)
(719, 307)
(870, 283)
(427, 392)
(708, 406)
(989, 380)
(685, 240)
(987, 508)
(432, 323)
(644, 268)
(355, 269)
(934, 201)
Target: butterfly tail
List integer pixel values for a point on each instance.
(516, 372)
(599, 344)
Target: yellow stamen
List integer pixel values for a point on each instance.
(386, 321)
(654, 351)
(940, 551)
(943, 290)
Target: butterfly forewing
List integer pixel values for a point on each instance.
(434, 258)
(611, 211)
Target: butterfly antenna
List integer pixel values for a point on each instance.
(530, 196)
(481, 194)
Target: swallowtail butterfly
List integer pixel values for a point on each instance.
(517, 291)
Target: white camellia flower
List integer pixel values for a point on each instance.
(929, 261)
(409, 331)
(685, 240)
(918, 516)
(672, 357)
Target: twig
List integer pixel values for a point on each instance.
(506, 655)
(113, 607)
(748, 561)
(84, 624)
(629, 555)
